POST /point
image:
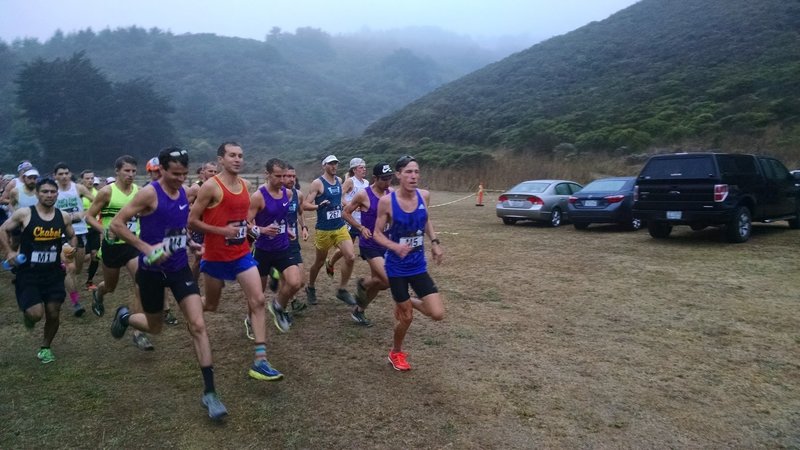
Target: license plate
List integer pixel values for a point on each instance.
(674, 215)
(515, 203)
(590, 203)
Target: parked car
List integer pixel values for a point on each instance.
(715, 189)
(608, 200)
(537, 200)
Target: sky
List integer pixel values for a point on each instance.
(480, 19)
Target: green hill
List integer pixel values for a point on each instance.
(659, 73)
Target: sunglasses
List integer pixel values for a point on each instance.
(177, 153)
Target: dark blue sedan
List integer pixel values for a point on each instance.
(608, 200)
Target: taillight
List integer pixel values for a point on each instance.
(615, 198)
(573, 199)
(535, 200)
(502, 199)
(720, 192)
(636, 193)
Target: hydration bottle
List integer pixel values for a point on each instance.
(156, 254)
(18, 260)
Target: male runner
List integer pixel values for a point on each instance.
(296, 221)
(39, 285)
(220, 212)
(406, 209)
(205, 172)
(366, 202)
(92, 237)
(116, 253)
(18, 182)
(269, 208)
(325, 197)
(163, 211)
(355, 183)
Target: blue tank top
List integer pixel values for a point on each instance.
(368, 218)
(407, 228)
(275, 210)
(330, 217)
(291, 219)
(167, 225)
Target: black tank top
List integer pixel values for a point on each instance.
(41, 242)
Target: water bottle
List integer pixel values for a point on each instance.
(18, 260)
(155, 255)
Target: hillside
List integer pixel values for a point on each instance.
(291, 92)
(657, 74)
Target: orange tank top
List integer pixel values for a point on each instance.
(232, 209)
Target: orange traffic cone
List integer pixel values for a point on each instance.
(479, 199)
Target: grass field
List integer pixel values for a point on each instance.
(553, 338)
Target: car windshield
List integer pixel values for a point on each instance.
(684, 166)
(530, 186)
(604, 186)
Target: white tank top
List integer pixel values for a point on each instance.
(70, 201)
(26, 199)
(357, 186)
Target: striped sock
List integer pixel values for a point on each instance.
(261, 352)
(73, 297)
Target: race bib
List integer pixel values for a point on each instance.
(43, 257)
(240, 234)
(175, 240)
(282, 228)
(335, 214)
(412, 241)
(133, 225)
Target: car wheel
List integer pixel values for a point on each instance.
(555, 217)
(509, 221)
(580, 225)
(633, 225)
(659, 230)
(739, 228)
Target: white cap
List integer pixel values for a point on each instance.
(30, 172)
(355, 162)
(110, 180)
(329, 159)
(95, 180)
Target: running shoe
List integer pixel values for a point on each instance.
(170, 318)
(279, 317)
(248, 329)
(90, 286)
(311, 295)
(46, 356)
(77, 310)
(359, 317)
(142, 342)
(261, 370)
(346, 297)
(398, 361)
(216, 410)
(329, 267)
(361, 293)
(117, 327)
(97, 303)
(298, 306)
(274, 276)
(28, 322)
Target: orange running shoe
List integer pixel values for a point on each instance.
(398, 361)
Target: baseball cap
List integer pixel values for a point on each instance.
(31, 172)
(152, 164)
(382, 169)
(329, 159)
(24, 165)
(355, 162)
(110, 180)
(96, 180)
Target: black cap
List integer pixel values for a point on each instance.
(382, 169)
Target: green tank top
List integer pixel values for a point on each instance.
(86, 202)
(115, 204)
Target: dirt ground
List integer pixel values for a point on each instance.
(553, 338)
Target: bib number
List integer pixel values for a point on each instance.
(175, 243)
(46, 257)
(133, 226)
(240, 234)
(413, 241)
(335, 214)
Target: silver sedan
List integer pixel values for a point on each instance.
(537, 200)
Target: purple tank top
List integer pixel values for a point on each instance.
(275, 210)
(167, 225)
(368, 218)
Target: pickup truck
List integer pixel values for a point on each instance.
(715, 189)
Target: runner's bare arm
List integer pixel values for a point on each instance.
(437, 252)
(16, 221)
(100, 201)
(313, 192)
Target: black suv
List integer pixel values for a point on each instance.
(715, 189)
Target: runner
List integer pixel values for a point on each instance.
(293, 219)
(220, 212)
(366, 202)
(325, 197)
(18, 182)
(92, 237)
(205, 172)
(269, 207)
(406, 210)
(70, 195)
(39, 285)
(163, 211)
(115, 253)
(355, 183)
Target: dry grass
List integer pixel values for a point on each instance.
(553, 338)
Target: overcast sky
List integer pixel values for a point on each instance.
(254, 18)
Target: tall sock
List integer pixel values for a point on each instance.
(261, 352)
(73, 297)
(93, 265)
(208, 378)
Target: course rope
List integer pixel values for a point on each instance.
(454, 201)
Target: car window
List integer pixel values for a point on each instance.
(562, 189)
(604, 186)
(766, 167)
(683, 166)
(575, 187)
(530, 186)
(779, 170)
